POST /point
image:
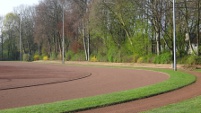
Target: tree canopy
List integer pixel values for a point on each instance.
(102, 30)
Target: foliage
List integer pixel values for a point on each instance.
(112, 54)
(135, 58)
(79, 57)
(36, 57)
(164, 58)
(53, 56)
(190, 60)
(26, 57)
(140, 60)
(177, 80)
(45, 58)
(119, 31)
(69, 55)
(94, 59)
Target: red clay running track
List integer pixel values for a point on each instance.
(24, 84)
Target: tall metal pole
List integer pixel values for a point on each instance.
(174, 36)
(63, 60)
(20, 38)
(2, 46)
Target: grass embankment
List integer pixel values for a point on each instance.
(188, 106)
(177, 80)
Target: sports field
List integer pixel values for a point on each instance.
(26, 84)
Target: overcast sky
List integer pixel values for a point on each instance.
(7, 6)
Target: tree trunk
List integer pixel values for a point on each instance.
(88, 43)
(84, 43)
(158, 48)
(2, 47)
(198, 28)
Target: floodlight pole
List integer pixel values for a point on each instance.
(20, 38)
(174, 36)
(63, 60)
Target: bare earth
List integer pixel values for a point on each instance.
(24, 84)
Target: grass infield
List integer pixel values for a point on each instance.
(177, 80)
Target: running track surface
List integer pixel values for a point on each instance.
(25, 84)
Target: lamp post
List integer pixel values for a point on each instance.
(174, 36)
(20, 38)
(63, 59)
(2, 41)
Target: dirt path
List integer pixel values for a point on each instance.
(24, 84)
(154, 102)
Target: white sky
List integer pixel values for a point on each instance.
(7, 6)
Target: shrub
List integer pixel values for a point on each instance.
(183, 60)
(78, 57)
(135, 58)
(102, 57)
(36, 57)
(198, 60)
(157, 60)
(191, 60)
(164, 58)
(149, 58)
(69, 55)
(53, 56)
(26, 57)
(127, 58)
(45, 58)
(140, 60)
(93, 59)
(112, 54)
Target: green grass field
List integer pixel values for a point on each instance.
(177, 80)
(188, 106)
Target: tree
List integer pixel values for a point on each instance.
(1, 36)
(11, 24)
(27, 14)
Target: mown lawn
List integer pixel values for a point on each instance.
(188, 106)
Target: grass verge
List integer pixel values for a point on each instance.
(188, 106)
(177, 80)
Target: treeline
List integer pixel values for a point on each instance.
(103, 30)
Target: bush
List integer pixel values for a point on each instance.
(78, 57)
(127, 58)
(192, 60)
(149, 58)
(198, 60)
(182, 60)
(36, 57)
(140, 60)
(101, 57)
(112, 54)
(26, 57)
(53, 56)
(69, 55)
(45, 58)
(135, 58)
(164, 58)
(94, 59)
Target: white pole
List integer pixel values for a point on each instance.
(63, 60)
(20, 38)
(174, 36)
